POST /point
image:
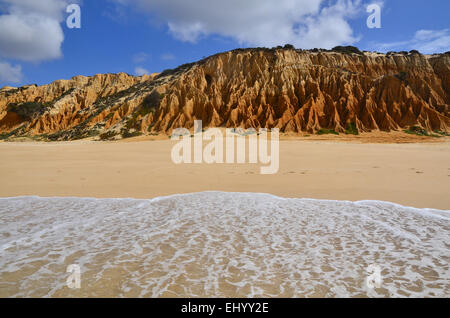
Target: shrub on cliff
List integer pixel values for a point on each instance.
(327, 132)
(415, 130)
(4, 136)
(402, 76)
(180, 69)
(130, 133)
(28, 110)
(109, 135)
(347, 50)
(351, 129)
(151, 103)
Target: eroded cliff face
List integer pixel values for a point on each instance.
(260, 88)
(59, 106)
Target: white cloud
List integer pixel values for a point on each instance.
(433, 41)
(167, 57)
(303, 23)
(30, 30)
(140, 57)
(425, 41)
(9, 73)
(139, 71)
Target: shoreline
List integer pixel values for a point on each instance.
(178, 195)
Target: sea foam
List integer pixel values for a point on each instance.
(221, 244)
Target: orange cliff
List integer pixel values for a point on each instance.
(293, 90)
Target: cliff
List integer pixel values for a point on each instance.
(294, 90)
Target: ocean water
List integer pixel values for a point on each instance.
(221, 244)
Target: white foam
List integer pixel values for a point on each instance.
(221, 244)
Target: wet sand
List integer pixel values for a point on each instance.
(216, 244)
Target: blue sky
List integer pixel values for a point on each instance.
(147, 36)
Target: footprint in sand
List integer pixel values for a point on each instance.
(293, 172)
(419, 172)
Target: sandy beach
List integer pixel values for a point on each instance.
(296, 149)
(416, 174)
(220, 244)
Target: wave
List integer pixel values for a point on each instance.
(216, 244)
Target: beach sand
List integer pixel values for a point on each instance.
(331, 168)
(213, 244)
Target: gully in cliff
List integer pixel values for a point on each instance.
(214, 152)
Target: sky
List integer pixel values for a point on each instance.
(148, 36)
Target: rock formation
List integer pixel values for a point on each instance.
(294, 90)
